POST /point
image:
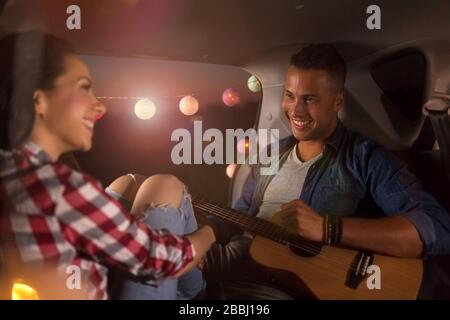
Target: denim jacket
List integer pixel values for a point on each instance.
(357, 177)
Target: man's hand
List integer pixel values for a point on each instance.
(298, 217)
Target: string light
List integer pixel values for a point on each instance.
(188, 105)
(162, 97)
(253, 84)
(145, 109)
(231, 97)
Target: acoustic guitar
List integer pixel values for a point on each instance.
(327, 272)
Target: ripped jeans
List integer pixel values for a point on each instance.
(180, 221)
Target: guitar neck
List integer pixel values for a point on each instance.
(254, 225)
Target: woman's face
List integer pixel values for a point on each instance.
(71, 109)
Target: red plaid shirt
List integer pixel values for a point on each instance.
(59, 214)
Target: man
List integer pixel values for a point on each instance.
(328, 171)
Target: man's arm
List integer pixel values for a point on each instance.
(403, 200)
(394, 235)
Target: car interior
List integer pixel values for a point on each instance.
(397, 85)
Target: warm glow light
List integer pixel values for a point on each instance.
(243, 145)
(253, 84)
(145, 109)
(231, 97)
(231, 169)
(188, 105)
(21, 291)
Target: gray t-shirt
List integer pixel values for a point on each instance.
(286, 185)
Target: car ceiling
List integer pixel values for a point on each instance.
(227, 31)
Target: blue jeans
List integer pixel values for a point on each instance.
(180, 221)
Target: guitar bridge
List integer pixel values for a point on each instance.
(358, 269)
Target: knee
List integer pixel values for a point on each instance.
(163, 179)
(159, 189)
(127, 186)
(127, 180)
(164, 184)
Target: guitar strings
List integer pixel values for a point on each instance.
(262, 227)
(259, 226)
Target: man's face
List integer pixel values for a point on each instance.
(311, 101)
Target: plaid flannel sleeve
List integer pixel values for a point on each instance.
(97, 225)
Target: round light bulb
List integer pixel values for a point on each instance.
(253, 84)
(188, 105)
(145, 109)
(231, 97)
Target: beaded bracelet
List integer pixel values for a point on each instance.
(332, 230)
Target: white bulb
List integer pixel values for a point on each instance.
(145, 109)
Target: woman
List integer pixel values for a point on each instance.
(53, 215)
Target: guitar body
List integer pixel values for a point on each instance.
(325, 274)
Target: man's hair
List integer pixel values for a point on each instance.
(321, 56)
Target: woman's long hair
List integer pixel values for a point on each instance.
(29, 61)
